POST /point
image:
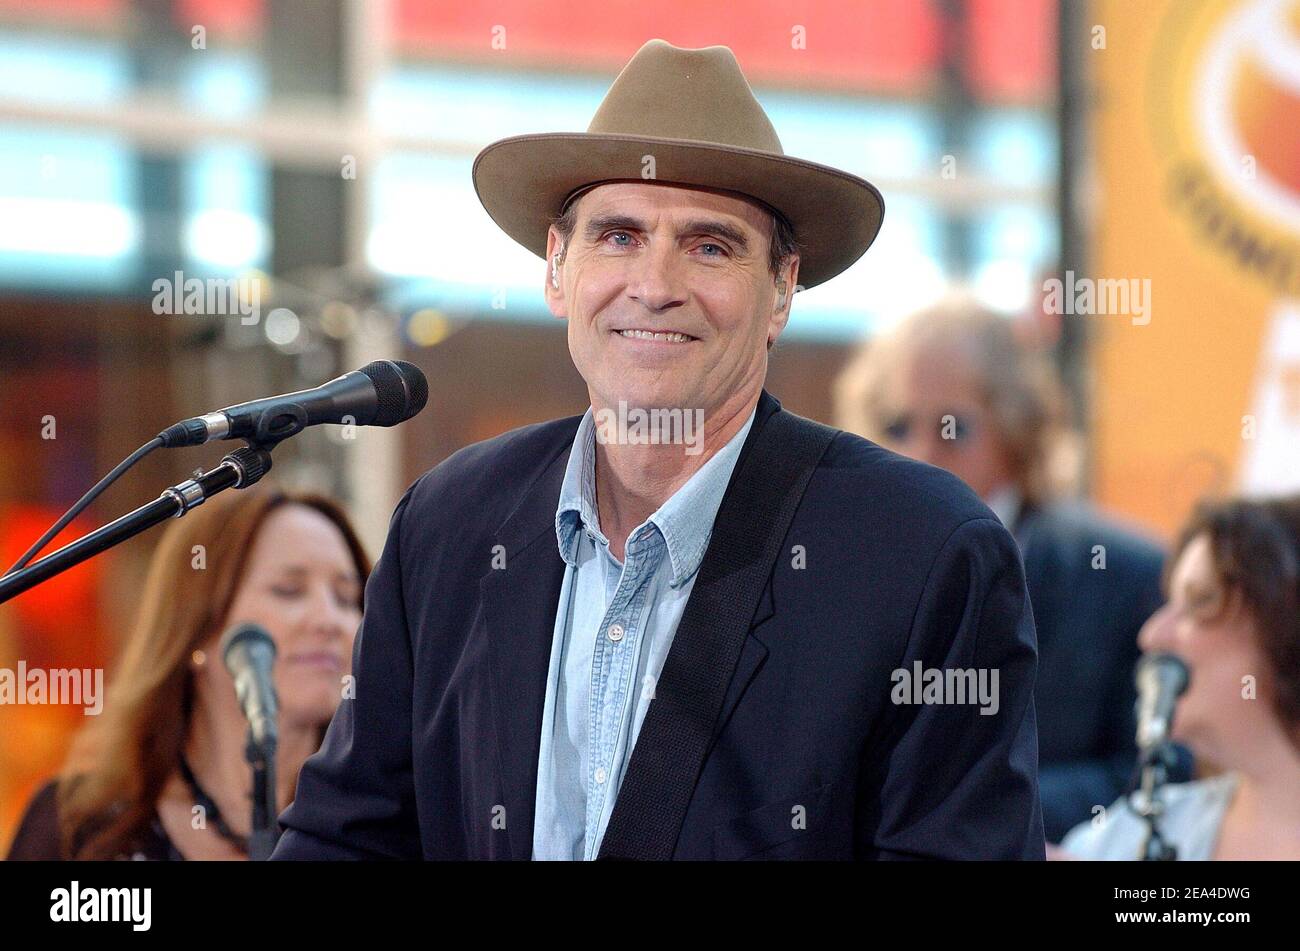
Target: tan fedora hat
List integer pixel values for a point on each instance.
(693, 112)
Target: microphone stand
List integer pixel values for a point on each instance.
(265, 829)
(238, 469)
(1154, 764)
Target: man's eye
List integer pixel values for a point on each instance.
(619, 234)
(710, 244)
(898, 428)
(285, 592)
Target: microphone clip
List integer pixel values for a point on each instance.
(275, 425)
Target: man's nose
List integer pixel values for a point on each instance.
(656, 280)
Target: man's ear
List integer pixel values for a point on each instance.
(553, 285)
(785, 291)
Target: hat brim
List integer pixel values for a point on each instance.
(523, 181)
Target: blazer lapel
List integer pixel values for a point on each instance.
(518, 604)
(753, 652)
(752, 655)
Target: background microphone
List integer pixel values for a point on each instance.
(249, 654)
(1161, 680)
(382, 393)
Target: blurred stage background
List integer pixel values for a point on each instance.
(322, 149)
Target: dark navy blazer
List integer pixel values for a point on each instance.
(887, 562)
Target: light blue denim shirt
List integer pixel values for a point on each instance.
(613, 626)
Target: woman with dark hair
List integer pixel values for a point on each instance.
(160, 773)
(1233, 617)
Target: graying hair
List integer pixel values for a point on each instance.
(1018, 383)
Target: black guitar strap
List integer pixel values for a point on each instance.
(678, 729)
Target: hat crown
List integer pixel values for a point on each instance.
(695, 94)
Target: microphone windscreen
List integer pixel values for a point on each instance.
(401, 387)
(1168, 667)
(244, 635)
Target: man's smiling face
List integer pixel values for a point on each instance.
(669, 296)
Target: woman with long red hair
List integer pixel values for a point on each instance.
(160, 773)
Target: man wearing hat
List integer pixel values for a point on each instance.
(765, 639)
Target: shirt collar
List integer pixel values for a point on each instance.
(685, 520)
(578, 491)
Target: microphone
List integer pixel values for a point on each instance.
(1161, 679)
(382, 393)
(249, 654)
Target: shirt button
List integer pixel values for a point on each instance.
(615, 632)
(600, 775)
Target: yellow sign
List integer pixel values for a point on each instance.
(1197, 131)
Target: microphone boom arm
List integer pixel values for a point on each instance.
(238, 469)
